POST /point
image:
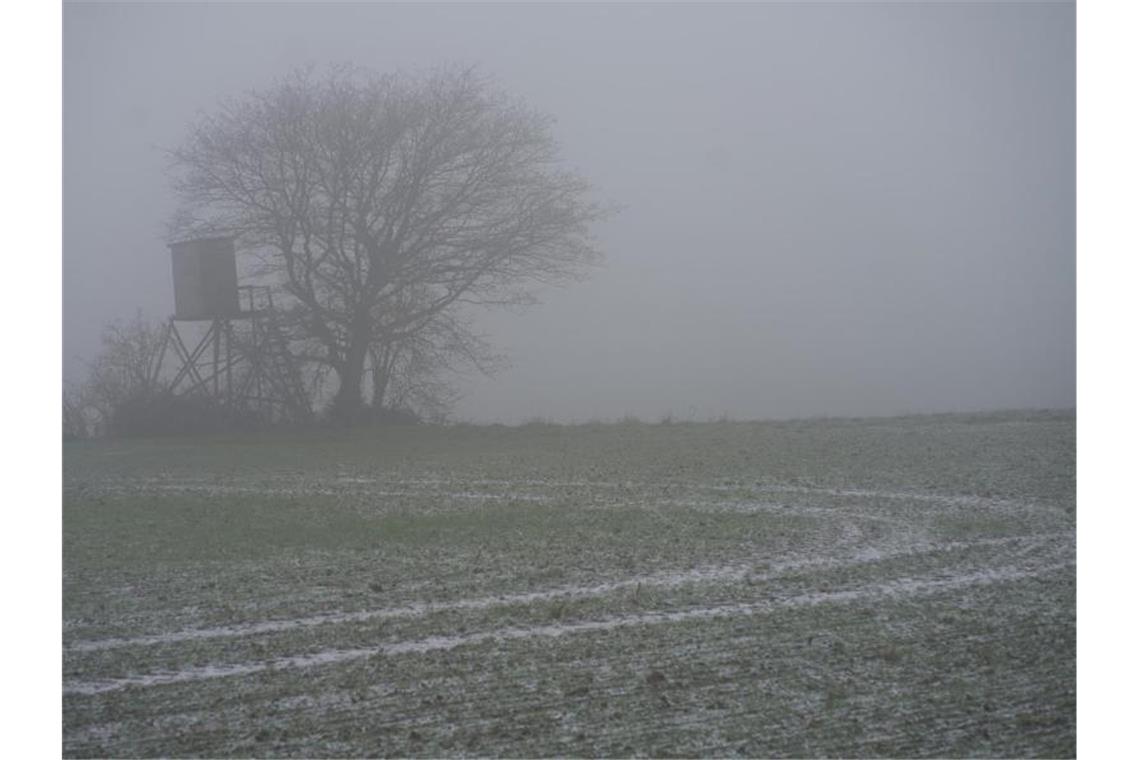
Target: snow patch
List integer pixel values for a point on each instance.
(892, 589)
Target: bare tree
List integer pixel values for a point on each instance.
(413, 373)
(382, 203)
(127, 367)
(124, 374)
(76, 421)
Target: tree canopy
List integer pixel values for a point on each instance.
(381, 204)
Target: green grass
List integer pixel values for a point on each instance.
(833, 532)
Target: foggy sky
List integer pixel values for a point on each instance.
(847, 209)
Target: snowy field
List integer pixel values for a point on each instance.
(899, 587)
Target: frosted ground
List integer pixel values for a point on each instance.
(899, 587)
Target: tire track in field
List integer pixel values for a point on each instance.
(503, 489)
(899, 588)
(709, 574)
(904, 539)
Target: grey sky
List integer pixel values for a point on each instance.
(829, 208)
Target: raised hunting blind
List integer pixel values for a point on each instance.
(205, 279)
(227, 340)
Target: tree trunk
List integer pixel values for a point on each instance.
(348, 404)
(381, 374)
(379, 386)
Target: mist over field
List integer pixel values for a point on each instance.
(802, 274)
(826, 209)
